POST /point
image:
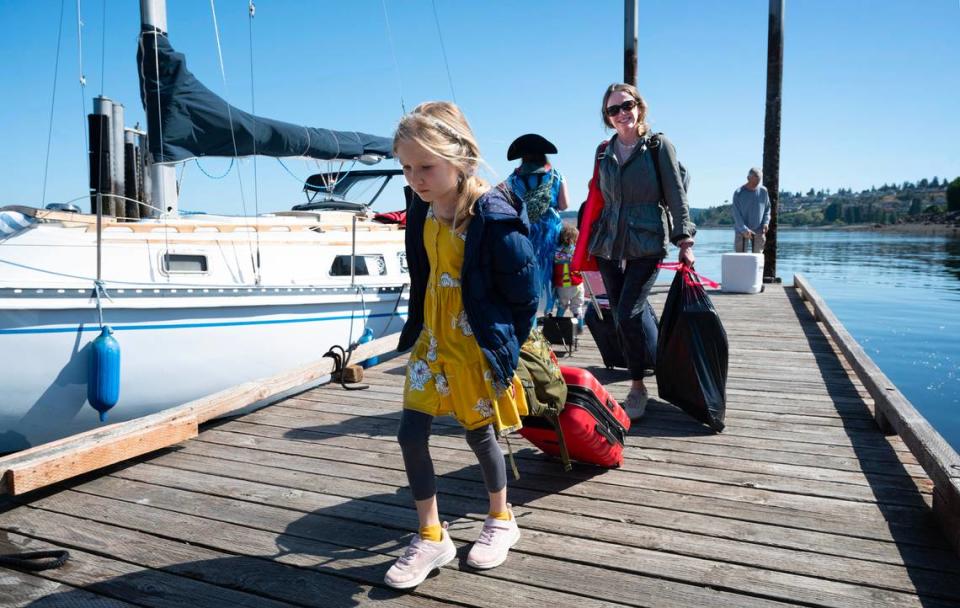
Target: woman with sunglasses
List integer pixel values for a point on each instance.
(630, 237)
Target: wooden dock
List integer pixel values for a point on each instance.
(801, 501)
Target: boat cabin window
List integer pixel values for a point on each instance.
(363, 266)
(402, 256)
(179, 262)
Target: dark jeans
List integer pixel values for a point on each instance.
(627, 289)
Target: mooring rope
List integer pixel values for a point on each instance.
(35, 561)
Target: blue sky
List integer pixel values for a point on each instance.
(871, 88)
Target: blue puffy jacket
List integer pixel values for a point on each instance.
(498, 279)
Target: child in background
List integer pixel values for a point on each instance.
(473, 296)
(567, 283)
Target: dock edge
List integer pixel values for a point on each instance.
(895, 415)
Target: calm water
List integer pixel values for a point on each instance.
(899, 295)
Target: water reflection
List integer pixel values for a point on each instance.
(952, 256)
(897, 294)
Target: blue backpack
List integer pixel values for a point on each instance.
(537, 199)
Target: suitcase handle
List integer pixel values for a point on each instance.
(593, 300)
(618, 427)
(607, 424)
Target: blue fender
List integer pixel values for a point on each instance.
(103, 383)
(367, 337)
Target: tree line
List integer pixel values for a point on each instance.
(886, 204)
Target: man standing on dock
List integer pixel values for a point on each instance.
(751, 213)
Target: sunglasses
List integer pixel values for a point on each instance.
(626, 106)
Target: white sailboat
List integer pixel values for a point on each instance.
(198, 303)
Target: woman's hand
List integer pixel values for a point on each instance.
(686, 253)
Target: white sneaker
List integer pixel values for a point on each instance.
(636, 403)
(494, 543)
(420, 559)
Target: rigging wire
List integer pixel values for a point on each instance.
(163, 184)
(103, 77)
(204, 171)
(329, 186)
(223, 75)
(443, 50)
(393, 52)
(83, 84)
(251, 10)
(233, 137)
(103, 50)
(183, 173)
(53, 102)
(302, 182)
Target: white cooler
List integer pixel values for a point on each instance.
(741, 272)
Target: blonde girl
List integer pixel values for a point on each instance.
(473, 297)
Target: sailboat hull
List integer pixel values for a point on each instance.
(170, 353)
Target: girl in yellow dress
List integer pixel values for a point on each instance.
(472, 302)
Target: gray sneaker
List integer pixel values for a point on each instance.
(420, 559)
(636, 403)
(496, 538)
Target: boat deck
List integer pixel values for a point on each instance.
(800, 501)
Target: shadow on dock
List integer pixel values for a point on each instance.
(911, 508)
(333, 556)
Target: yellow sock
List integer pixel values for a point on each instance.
(502, 515)
(433, 533)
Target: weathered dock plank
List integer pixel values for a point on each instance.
(801, 501)
(120, 580)
(19, 589)
(259, 575)
(352, 525)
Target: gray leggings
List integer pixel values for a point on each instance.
(414, 438)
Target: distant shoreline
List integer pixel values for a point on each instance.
(928, 229)
(931, 229)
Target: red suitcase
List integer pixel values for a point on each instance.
(593, 423)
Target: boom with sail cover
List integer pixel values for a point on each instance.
(192, 121)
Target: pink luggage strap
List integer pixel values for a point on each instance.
(688, 274)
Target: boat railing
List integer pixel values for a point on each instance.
(340, 221)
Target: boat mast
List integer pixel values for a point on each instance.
(162, 177)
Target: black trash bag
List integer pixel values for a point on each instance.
(692, 352)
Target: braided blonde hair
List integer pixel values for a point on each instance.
(442, 129)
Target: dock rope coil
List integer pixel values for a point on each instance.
(341, 358)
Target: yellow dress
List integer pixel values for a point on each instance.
(447, 372)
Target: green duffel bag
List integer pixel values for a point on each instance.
(543, 385)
